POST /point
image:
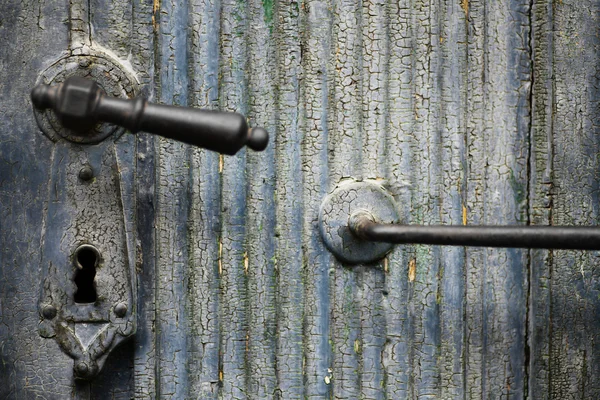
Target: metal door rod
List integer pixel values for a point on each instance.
(547, 237)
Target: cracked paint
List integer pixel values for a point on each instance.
(239, 298)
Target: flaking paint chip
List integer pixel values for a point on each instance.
(412, 270)
(464, 4)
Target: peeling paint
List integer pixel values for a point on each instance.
(334, 116)
(220, 262)
(412, 270)
(464, 4)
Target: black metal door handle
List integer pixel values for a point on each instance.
(80, 103)
(363, 225)
(359, 223)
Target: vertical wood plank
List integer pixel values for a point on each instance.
(142, 60)
(345, 142)
(262, 318)
(205, 212)
(316, 89)
(452, 124)
(289, 208)
(540, 196)
(499, 126)
(26, 359)
(145, 346)
(426, 185)
(475, 264)
(172, 209)
(399, 154)
(574, 303)
(370, 279)
(234, 316)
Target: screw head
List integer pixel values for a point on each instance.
(86, 173)
(49, 311)
(81, 369)
(121, 310)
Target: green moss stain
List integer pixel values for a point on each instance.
(423, 258)
(268, 7)
(519, 193)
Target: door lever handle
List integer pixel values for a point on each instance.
(359, 223)
(363, 225)
(81, 103)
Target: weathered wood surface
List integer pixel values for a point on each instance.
(477, 112)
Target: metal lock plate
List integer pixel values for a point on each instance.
(87, 301)
(88, 292)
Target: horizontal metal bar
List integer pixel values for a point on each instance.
(544, 237)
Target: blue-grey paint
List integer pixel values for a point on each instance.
(484, 111)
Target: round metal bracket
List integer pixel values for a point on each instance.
(349, 198)
(113, 76)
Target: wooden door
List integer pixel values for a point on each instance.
(467, 112)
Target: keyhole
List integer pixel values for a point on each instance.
(86, 261)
